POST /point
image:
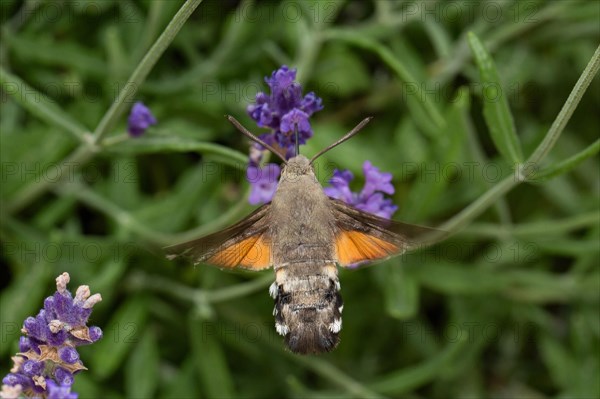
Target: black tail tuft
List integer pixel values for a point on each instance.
(313, 338)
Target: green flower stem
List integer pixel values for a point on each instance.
(567, 110)
(150, 29)
(567, 164)
(143, 69)
(474, 209)
(115, 140)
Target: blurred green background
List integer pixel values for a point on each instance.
(507, 307)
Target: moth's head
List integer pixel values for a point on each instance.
(297, 166)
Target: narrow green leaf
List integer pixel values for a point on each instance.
(566, 165)
(39, 104)
(211, 364)
(141, 370)
(568, 108)
(439, 37)
(495, 105)
(120, 336)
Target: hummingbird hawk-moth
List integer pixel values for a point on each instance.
(304, 235)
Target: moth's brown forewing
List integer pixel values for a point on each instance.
(244, 245)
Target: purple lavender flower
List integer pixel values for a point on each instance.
(263, 182)
(140, 119)
(376, 180)
(284, 110)
(32, 368)
(68, 354)
(63, 377)
(370, 198)
(47, 360)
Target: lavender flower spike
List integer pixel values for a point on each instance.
(140, 119)
(284, 111)
(370, 199)
(48, 358)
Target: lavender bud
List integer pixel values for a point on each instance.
(24, 344)
(68, 354)
(13, 379)
(83, 293)
(91, 301)
(140, 119)
(55, 326)
(32, 368)
(95, 333)
(63, 377)
(62, 281)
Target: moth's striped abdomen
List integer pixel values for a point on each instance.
(308, 309)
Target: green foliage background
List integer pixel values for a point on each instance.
(507, 306)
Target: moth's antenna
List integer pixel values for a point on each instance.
(252, 137)
(348, 135)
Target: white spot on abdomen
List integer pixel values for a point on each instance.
(281, 329)
(336, 326)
